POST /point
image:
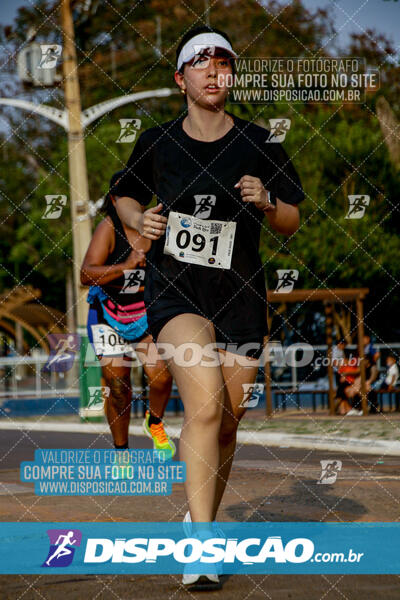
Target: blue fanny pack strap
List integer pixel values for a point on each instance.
(95, 291)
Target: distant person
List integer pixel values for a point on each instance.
(337, 358)
(114, 267)
(369, 349)
(372, 379)
(354, 392)
(348, 371)
(392, 374)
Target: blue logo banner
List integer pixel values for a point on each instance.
(161, 548)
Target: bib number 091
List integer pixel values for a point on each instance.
(198, 241)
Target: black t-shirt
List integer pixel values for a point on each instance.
(197, 178)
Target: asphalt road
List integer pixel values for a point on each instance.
(267, 484)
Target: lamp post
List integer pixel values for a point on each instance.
(78, 183)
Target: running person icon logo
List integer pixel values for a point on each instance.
(63, 347)
(251, 394)
(330, 470)
(54, 206)
(97, 395)
(287, 279)
(204, 204)
(278, 130)
(63, 543)
(202, 54)
(357, 206)
(134, 278)
(50, 54)
(129, 129)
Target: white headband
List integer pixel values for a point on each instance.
(190, 49)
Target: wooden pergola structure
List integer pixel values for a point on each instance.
(329, 298)
(18, 306)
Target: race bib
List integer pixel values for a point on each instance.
(200, 242)
(107, 342)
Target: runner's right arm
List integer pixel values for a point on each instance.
(149, 223)
(130, 212)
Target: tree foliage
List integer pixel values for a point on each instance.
(337, 150)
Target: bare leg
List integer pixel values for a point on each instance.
(234, 376)
(118, 403)
(201, 389)
(160, 379)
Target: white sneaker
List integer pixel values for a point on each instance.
(188, 530)
(354, 412)
(207, 582)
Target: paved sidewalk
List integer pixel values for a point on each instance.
(373, 434)
(266, 484)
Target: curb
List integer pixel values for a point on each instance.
(257, 438)
(315, 442)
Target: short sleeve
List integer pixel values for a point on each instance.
(281, 178)
(137, 178)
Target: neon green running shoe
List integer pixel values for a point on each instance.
(161, 440)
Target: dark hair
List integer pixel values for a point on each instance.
(108, 206)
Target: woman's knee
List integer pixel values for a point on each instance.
(120, 392)
(160, 379)
(204, 416)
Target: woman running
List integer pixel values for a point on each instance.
(215, 178)
(114, 267)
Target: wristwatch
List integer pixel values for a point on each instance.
(271, 202)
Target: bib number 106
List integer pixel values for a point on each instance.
(111, 339)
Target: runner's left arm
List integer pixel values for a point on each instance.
(285, 191)
(283, 217)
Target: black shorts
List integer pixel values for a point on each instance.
(249, 345)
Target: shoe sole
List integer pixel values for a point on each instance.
(151, 437)
(203, 584)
